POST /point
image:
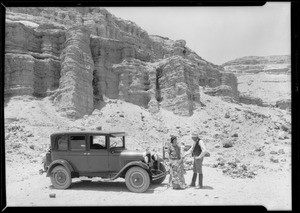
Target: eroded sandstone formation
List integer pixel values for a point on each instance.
(255, 64)
(81, 56)
(75, 96)
(32, 64)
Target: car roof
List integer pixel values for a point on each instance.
(90, 133)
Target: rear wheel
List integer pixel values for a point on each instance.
(60, 177)
(137, 179)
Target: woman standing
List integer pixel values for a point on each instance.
(176, 164)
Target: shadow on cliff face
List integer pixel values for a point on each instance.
(6, 100)
(99, 104)
(158, 96)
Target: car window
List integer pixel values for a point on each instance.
(116, 142)
(77, 142)
(62, 142)
(97, 142)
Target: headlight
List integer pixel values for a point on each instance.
(146, 159)
(155, 157)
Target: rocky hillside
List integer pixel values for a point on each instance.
(79, 57)
(263, 81)
(275, 64)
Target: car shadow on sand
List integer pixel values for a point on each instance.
(111, 186)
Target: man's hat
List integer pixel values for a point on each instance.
(173, 136)
(195, 135)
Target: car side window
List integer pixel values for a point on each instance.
(97, 142)
(116, 142)
(77, 142)
(62, 143)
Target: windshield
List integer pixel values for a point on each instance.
(118, 141)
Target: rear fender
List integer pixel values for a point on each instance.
(59, 162)
(128, 166)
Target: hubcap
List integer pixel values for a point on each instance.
(137, 179)
(61, 177)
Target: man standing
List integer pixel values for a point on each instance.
(198, 151)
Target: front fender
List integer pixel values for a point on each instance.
(160, 160)
(128, 166)
(61, 163)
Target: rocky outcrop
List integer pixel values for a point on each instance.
(19, 74)
(32, 64)
(247, 99)
(263, 81)
(284, 104)
(177, 88)
(81, 56)
(222, 90)
(75, 95)
(254, 64)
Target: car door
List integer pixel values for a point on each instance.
(116, 147)
(78, 152)
(98, 154)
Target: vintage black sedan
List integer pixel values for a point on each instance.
(100, 154)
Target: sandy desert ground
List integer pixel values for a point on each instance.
(218, 190)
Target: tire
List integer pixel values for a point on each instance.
(137, 179)
(160, 180)
(60, 177)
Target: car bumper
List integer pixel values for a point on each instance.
(42, 171)
(158, 176)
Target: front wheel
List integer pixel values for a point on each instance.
(60, 177)
(137, 179)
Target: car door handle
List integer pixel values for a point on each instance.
(86, 153)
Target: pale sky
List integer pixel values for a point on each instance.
(218, 34)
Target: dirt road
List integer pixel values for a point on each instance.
(270, 190)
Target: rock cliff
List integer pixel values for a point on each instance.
(82, 56)
(255, 64)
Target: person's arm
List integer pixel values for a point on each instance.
(203, 148)
(189, 151)
(182, 152)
